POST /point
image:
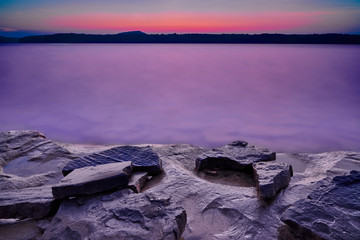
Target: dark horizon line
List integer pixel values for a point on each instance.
(141, 37)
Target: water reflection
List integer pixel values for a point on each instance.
(286, 97)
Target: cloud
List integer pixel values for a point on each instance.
(6, 29)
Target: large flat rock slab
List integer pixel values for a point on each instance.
(36, 203)
(330, 212)
(142, 158)
(234, 156)
(270, 177)
(93, 179)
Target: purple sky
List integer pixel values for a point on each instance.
(23, 17)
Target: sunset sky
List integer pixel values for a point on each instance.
(24, 17)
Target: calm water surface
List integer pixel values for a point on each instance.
(289, 98)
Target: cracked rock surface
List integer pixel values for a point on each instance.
(330, 212)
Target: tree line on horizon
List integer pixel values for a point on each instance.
(140, 37)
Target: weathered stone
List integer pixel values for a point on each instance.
(37, 203)
(217, 207)
(142, 158)
(234, 156)
(270, 177)
(138, 181)
(14, 144)
(26, 229)
(27, 159)
(330, 212)
(11, 182)
(93, 179)
(127, 216)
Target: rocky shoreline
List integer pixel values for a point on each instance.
(51, 190)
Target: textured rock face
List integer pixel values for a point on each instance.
(32, 144)
(120, 215)
(93, 179)
(33, 203)
(142, 158)
(270, 177)
(14, 143)
(235, 156)
(330, 212)
(12, 182)
(27, 159)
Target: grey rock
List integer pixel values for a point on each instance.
(127, 216)
(270, 177)
(36, 203)
(93, 179)
(33, 144)
(138, 181)
(13, 143)
(27, 153)
(235, 156)
(20, 230)
(11, 182)
(214, 208)
(332, 211)
(142, 158)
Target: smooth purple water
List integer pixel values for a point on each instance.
(290, 98)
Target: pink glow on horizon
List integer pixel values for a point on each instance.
(188, 22)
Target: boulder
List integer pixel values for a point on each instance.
(36, 203)
(138, 181)
(332, 211)
(93, 179)
(122, 216)
(142, 158)
(234, 156)
(270, 177)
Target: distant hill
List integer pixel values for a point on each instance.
(140, 37)
(8, 40)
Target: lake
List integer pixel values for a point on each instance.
(289, 98)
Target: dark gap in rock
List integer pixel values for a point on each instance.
(228, 177)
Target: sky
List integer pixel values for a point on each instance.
(25, 17)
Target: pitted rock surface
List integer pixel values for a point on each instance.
(142, 158)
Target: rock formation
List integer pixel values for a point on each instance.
(142, 158)
(193, 193)
(271, 177)
(91, 180)
(329, 212)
